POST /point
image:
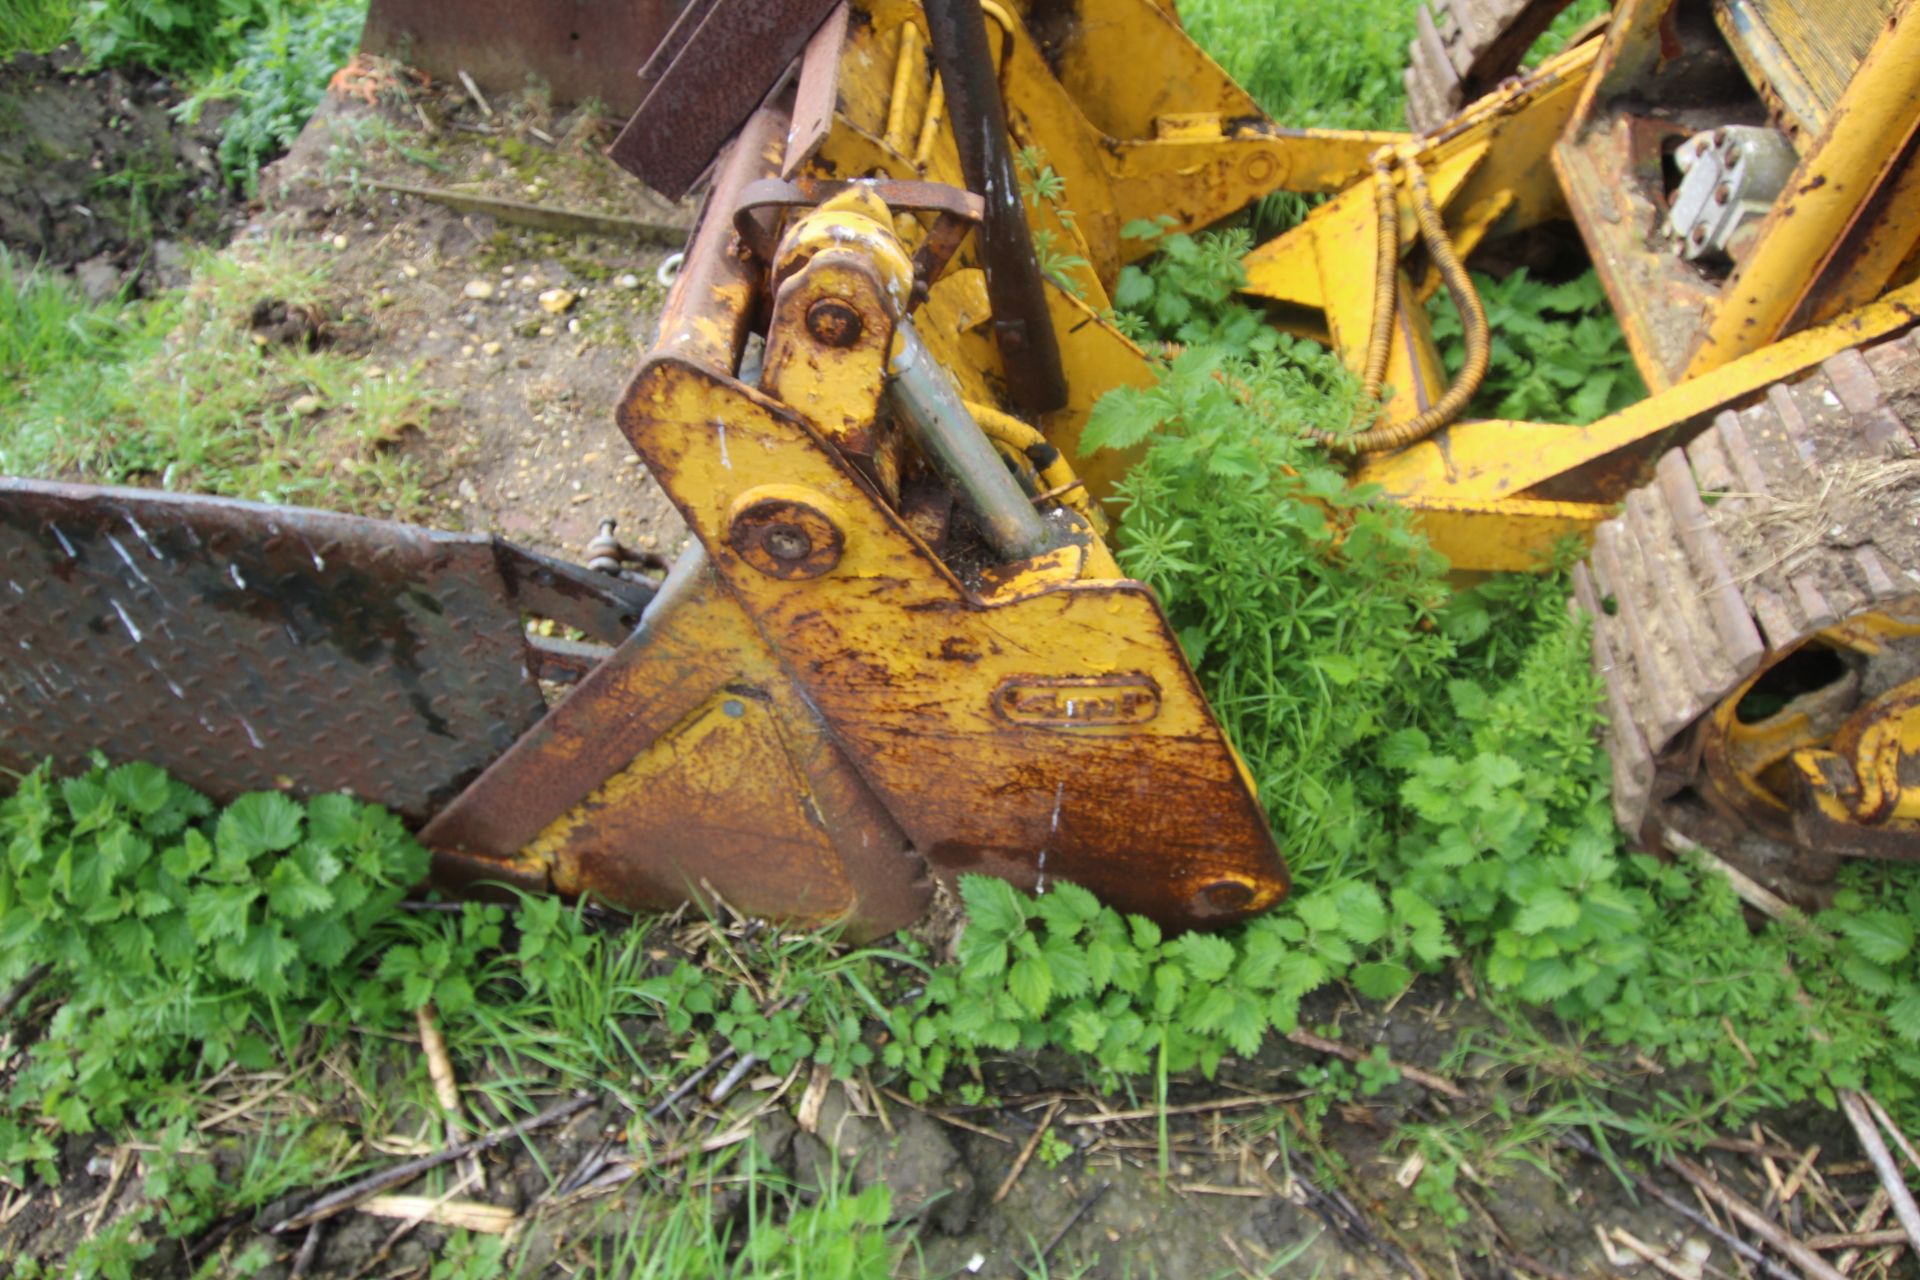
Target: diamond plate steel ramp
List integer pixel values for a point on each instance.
(245, 646)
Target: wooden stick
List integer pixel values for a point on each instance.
(470, 1215)
(309, 1250)
(1806, 1259)
(485, 108)
(1320, 1044)
(1869, 1218)
(1799, 1174)
(346, 1197)
(1893, 1130)
(1084, 1208)
(1026, 1152)
(1883, 1164)
(1646, 1251)
(439, 1066)
(1188, 1109)
(688, 1085)
(1747, 889)
(1858, 1239)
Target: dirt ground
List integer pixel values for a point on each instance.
(526, 339)
(97, 175)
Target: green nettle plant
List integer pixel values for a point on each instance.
(1558, 353)
(179, 939)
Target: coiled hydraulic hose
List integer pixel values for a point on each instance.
(1048, 462)
(1473, 320)
(1386, 272)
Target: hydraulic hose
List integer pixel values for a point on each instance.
(1473, 320)
(1051, 465)
(1386, 272)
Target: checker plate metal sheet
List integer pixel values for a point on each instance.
(242, 645)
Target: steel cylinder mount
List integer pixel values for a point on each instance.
(1733, 175)
(787, 531)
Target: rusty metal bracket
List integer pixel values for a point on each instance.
(718, 62)
(958, 212)
(580, 49)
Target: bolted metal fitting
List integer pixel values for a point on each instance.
(834, 322)
(787, 531)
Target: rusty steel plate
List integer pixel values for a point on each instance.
(581, 49)
(726, 56)
(242, 646)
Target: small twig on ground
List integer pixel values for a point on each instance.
(466, 1215)
(584, 1172)
(947, 1117)
(688, 1085)
(309, 1250)
(1893, 1130)
(1883, 1164)
(23, 988)
(731, 1081)
(1758, 1223)
(1648, 1253)
(1381, 1238)
(346, 1197)
(400, 1232)
(446, 1088)
(1740, 1247)
(1799, 1174)
(1080, 1211)
(1858, 1239)
(1320, 1044)
(1869, 1218)
(1026, 1152)
(473, 90)
(1189, 1108)
(121, 1159)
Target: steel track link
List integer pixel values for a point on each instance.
(1774, 524)
(1464, 48)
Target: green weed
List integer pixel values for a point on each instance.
(279, 71)
(1330, 64)
(35, 26)
(180, 940)
(781, 1232)
(1564, 28)
(47, 326)
(1558, 353)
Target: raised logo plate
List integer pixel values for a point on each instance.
(1074, 702)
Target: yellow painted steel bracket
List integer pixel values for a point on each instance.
(1025, 722)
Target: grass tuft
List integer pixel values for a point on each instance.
(179, 393)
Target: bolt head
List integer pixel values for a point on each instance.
(786, 542)
(834, 322)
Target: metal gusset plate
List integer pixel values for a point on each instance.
(718, 62)
(243, 646)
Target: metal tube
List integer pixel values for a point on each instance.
(939, 422)
(1022, 325)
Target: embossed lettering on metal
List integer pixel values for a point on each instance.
(1073, 702)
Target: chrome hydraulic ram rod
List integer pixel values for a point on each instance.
(956, 446)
